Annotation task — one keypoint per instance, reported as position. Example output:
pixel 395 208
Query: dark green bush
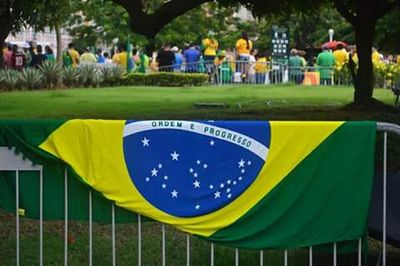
pixel 166 79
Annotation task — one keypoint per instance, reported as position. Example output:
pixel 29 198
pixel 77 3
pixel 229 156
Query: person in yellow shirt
pixel 376 57
pixel 74 55
pixel 243 48
pixel 261 68
pixel 341 57
pixel 210 47
pixel 121 58
pixel 71 56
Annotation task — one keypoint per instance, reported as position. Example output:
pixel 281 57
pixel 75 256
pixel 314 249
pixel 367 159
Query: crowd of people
pixel 242 64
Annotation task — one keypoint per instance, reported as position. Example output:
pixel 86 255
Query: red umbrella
pixel 333 44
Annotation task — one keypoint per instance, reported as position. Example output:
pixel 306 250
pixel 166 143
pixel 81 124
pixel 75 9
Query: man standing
pixel 326 62
pixel 88 57
pixel 192 56
pixel 71 56
pixel 296 67
pixel 165 59
pixel 18 60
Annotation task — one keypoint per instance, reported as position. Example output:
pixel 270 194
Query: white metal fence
pixel 11 162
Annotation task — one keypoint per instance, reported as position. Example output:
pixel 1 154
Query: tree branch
pixel 385 7
pixel 150 24
pixel 344 11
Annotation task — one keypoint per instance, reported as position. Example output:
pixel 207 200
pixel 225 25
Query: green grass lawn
pixel 283 102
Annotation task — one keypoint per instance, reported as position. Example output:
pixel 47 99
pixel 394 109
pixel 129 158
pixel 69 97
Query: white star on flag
pixel 164 186
pixel 198 162
pixel 147 179
pixel 205 166
pixel 166 177
pixel 191 170
pixel 217 194
pixel 212 143
pixel 159 166
pixel 175 156
pixel 154 172
pixel 197 207
pixel 249 163
pixel 243 171
pixel 174 194
pixel 196 184
pixel 241 163
pixel 211 187
pixel 145 142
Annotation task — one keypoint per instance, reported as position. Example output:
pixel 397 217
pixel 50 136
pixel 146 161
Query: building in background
pixel 46 37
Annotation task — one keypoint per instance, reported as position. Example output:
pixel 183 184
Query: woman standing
pixel 243 48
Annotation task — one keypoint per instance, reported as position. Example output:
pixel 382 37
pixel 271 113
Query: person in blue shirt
pixel 100 57
pixel 192 57
pixel 178 59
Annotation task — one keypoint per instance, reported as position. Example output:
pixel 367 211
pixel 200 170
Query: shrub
pixel 167 79
pixel 31 78
pixel 51 72
pixel 70 77
pixel 90 76
pixel 113 76
pixel 10 79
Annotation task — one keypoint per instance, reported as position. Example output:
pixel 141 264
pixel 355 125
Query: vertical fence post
pixel 236 257
pixel 359 252
pixel 212 254
pixel 139 240
pixel 286 258
pixel 163 244
pixel 90 230
pixel 114 261
pixel 334 254
pixel 17 215
pixel 384 198
pixel 41 215
pixel 310 256
pixel 188 250
pixel 261 257
pixel 65 217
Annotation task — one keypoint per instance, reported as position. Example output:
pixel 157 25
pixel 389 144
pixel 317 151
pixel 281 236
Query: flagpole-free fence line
pixel 15 163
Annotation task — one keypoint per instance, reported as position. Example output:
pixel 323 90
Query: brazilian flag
pixel 247 184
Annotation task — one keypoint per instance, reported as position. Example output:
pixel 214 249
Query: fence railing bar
pixel 41 215
pixel 212 255
pixel 384 198
pixel 65 216
pixel 310 256
pixel 90 229
pixel 359 252
pixel 114 261
pixel 139 240
pixel 17 215
pixel 261 257
pixel 286 258
pixel 163 245
pixel 335 254
pixel 188 250
pixel 236 257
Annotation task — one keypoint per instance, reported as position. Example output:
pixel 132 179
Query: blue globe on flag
pixel 189 169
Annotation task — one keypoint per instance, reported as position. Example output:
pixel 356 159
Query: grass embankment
pixel 287 102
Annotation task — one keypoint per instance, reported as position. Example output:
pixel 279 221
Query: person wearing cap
pixel 88 57
pixel 178 59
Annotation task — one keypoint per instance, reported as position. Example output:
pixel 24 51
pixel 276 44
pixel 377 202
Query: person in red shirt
pixel 17 58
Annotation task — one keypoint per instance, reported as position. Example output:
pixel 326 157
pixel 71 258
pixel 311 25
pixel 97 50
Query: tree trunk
pixel 4 31
pixel 59 44
pixel 364 83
